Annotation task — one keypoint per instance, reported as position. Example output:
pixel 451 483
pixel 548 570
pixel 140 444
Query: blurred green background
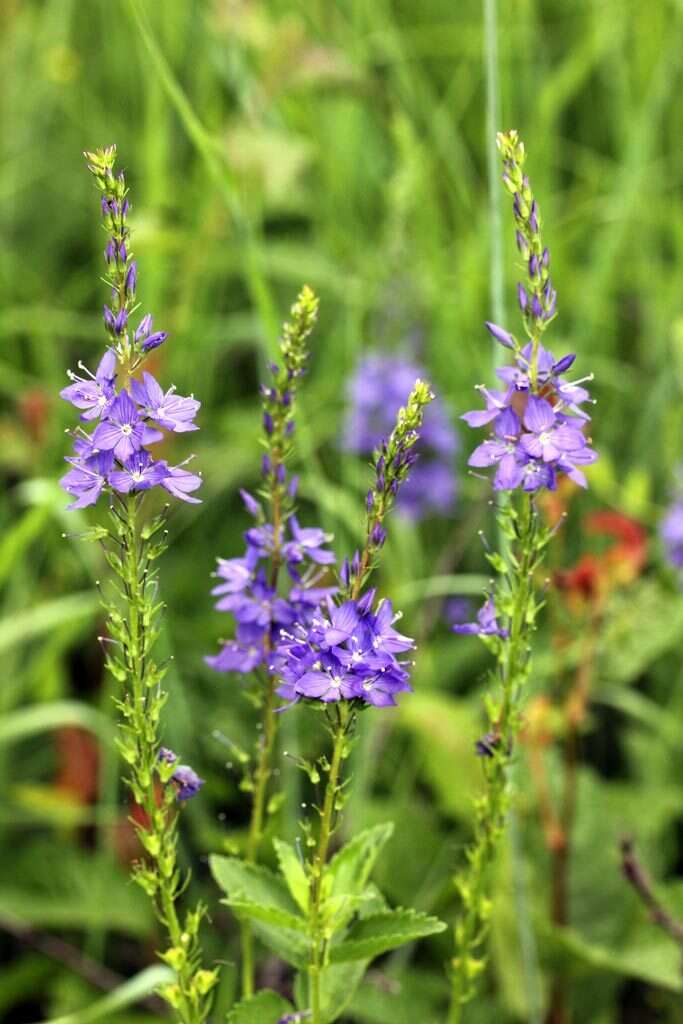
pixel 342 143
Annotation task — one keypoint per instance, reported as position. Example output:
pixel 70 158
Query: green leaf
pixel 257 893
pixel 293 872
pixel 252 884
pixel 374 935
pixel 643 621
pixel 656 961
pixel 24 722
pixel 268 915
pixel 338 985
pixel 143 984
pixel 266 1007
pixel 350 868
pixel 44 618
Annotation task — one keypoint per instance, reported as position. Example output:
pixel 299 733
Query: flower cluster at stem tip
pixel 129 414
pixel 348 650
pixel 376 392
pixel 251 588
pixel 537 418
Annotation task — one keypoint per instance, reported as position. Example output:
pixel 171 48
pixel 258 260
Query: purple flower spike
pixel 344 653
pixel 377 391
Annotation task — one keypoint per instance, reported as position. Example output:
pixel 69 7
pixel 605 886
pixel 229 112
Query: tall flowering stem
pixel 347 659
pixel 537 424
pixel 278 429
pixel 114 461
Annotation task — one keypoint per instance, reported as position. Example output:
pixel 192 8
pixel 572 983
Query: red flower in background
pixel 595 575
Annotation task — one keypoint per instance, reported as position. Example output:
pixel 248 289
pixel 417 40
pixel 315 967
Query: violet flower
pixel 376 392
pixel 486 624
pixel 671 533
pixel 346 652
pixel 114 458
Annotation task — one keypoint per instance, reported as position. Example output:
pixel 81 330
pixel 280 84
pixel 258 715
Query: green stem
pixel 161 827
pixel 261 779
pixel 318 952
pixel 473 882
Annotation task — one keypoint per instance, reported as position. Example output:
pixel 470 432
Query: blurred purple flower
pixel 376 392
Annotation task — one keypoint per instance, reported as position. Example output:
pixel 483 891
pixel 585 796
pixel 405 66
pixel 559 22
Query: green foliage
pixel 357 925
pixel 372 936
pixel 343 145
pixel 264 1008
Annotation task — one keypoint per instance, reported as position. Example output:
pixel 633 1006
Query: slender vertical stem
pixel 261 779
pixel 161 826
pixel 320 857
pixel 471 926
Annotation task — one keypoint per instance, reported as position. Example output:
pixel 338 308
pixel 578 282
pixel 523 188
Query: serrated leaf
pixel 252 883
pixel 268 915
pixel 349 870
pixel 266 1007
pixel 293 872
pixel 257 893
pixel 378 934
pixel 338 985
pixel 291 946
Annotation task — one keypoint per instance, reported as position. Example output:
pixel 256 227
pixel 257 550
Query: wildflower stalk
pixel 114 458
pixel 278 425
pixel 537 432
pixel 392 463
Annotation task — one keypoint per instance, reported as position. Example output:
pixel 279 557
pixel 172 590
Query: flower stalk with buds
pixel 537 423
pixel 114 460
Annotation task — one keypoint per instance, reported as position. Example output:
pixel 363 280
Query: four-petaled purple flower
pixel 486 624
pixel 122 431
pixel 168 409
pixel 93 394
